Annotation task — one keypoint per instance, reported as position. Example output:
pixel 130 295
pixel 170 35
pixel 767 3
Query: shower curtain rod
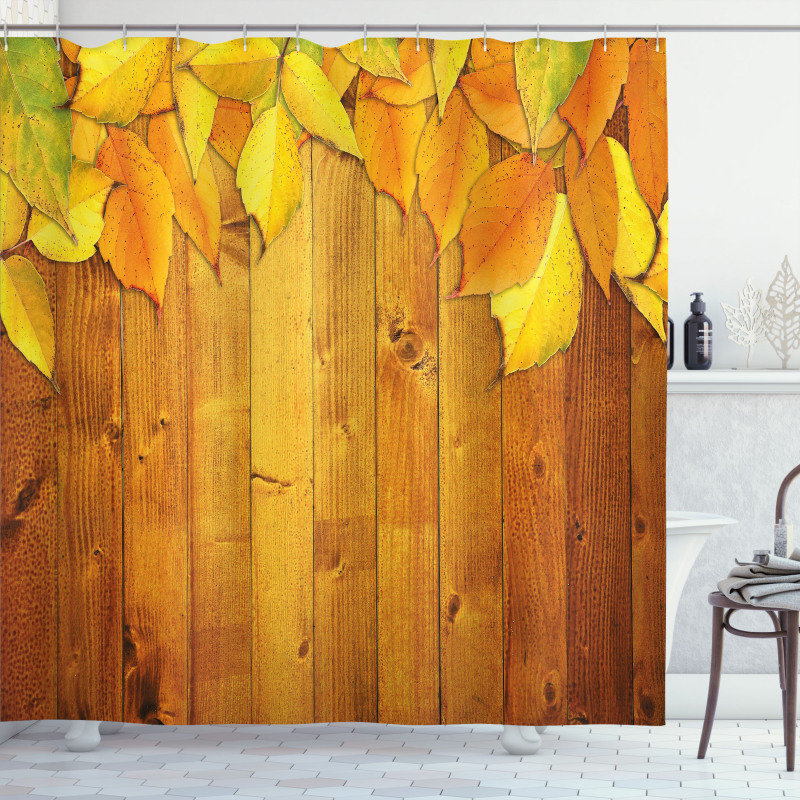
pixel 480 29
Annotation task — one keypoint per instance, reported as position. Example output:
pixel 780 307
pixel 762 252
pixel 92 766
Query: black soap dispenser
pixel 697 336
pixel 670 343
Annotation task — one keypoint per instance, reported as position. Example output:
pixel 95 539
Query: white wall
pixel 734 117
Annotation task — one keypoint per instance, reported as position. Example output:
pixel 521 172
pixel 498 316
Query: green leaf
pixel 545 77
pixel 34 134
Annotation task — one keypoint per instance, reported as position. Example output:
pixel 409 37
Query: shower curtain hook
pixel 177 37
pixel 58 37
pixel 484 37
pixel 537 37
pixel 5 35
pixel 605 33
pixel 244 36
pixel 297 37
pixel 418 37
pixel 657 48
pixel 365 37
pixel 124 36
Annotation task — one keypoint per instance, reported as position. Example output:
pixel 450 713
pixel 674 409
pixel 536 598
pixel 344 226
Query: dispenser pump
pixel 698 306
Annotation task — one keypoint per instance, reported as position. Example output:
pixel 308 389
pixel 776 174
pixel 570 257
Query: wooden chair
pixel 785 624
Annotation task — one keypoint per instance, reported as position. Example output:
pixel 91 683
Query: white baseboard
pixel 740 696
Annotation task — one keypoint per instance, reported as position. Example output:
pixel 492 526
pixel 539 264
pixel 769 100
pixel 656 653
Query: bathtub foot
pixel 82 736
pixel 520 740
pixel 110 727
pixel 541 728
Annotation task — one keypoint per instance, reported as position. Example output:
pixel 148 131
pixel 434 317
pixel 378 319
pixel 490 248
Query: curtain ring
pixel 418 37
pixel 177 37
pixel 365 37
pixel 124 36
pixel 484 37
pixel 657 50
pixel 605 33
pixel 537 37
pixel 58 37
pixel 297 36
pixel 244 36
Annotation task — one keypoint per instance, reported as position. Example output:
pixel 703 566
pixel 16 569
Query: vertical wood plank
pixel 282 497
pixel 534 562
pixel 155 636
pixel 470 501
pixel 218 356
pixel 407 451
pixel 345 663
pixel 648 519
pixel 28 552
pixel 598 549
pixel 88 355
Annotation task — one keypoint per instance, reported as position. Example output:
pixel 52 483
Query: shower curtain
pixel 333 381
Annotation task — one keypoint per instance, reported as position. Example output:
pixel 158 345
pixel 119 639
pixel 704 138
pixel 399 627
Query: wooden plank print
pixel 29 527
pixel 88 355
pixel 282 469
pixel 155 635
pixel 218 347
pixel 345 660
pixel 407 459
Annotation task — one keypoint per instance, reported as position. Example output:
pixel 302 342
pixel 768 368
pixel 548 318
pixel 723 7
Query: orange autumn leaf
pixel 646 98
pixel 232 124
pixel 137 237
pixel 197 203
pixel 505 229
pixel 492 92
pixel 452 155
pixel 161 99
pixel 496 52
pixel 417 68
pixel 592 193
pixel 593 98
pixel 338 69
pixel 388 137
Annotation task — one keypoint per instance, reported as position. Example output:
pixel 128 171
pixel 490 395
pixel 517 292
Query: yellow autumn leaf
pixel 270 175
pixel 161 99
pixel 416 65
pixel 379 58
pixel 137 236
pixel 25 311
pixel 636 235
pixel 14 214
pixel 540 317
pixel 70 50
pixel 87 136
pixel 447 60
pixel 88 191
pixel 339 71
pixel 388 136
pixel 453 153
pixel 231 71
pixel 197 203
pixel 195 104
pixel 649 304
pixel 114 82
pixel 315 103
pixel 656 277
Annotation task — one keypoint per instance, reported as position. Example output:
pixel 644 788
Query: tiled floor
pixel 387 761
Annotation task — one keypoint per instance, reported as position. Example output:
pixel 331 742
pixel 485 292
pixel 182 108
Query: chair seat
pixel 723 601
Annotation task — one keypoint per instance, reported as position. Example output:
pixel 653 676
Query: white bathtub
pixel 687 532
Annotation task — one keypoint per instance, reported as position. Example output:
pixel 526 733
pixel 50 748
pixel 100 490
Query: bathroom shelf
pixel 734 381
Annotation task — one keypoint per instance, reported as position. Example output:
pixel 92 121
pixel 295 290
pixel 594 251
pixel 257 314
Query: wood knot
pixel 112 431
pixel 453 607
pixel 538 467
pixel 647 706
pixel 550 693
pixel 640 526
pixel 28 495
pixel 346 430
pixel 303 649
pixel 409 348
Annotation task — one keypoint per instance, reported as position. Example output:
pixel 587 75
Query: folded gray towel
pixel 775 583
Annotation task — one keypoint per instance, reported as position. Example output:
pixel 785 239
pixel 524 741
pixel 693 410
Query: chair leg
pixel 781 642
pixel 717 632
pixel 790 718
